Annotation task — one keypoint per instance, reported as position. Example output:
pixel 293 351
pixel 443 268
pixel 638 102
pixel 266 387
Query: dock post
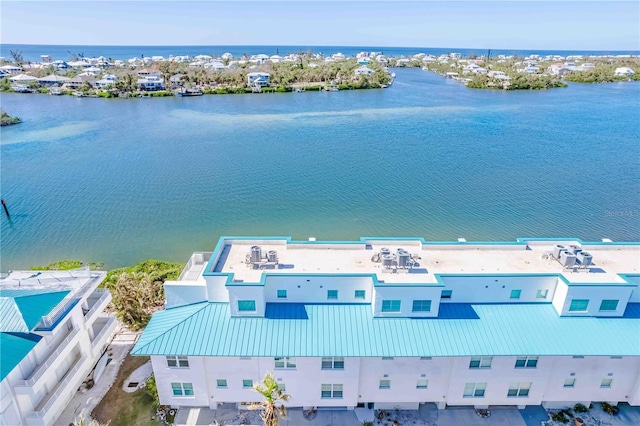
pixel 4 204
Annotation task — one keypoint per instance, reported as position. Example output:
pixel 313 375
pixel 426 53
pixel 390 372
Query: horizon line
pixel 323 45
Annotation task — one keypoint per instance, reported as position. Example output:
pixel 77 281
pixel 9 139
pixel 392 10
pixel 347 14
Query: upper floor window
pixel 609 305
pixel 221 383
pixel 422 384
pixel 515 294
pixel 177 361
pixel 359 294
pixel 182 389
pixel 390 306
pixel 542 294
pixel 480 362
pixel 246 305
pixel 446 294
pixel 421 305
pixel 332 294
pixel 385 384
pixel 282 294
pixel 570 382
pixel 332 363
pixel 247 383
pixel 526 362
pixel 579 305
pixel 285 362
pixel 606 383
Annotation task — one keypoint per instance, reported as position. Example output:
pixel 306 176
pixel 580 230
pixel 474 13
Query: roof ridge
pixel 204 304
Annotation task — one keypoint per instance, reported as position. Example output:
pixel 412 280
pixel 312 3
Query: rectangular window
pixel 247 383
pixel 282 294
pixel 332 294
pixel 515 294
pixel 284 362
pixel 282 387
pixel 360 294
pixel 570 382
pixel 182 389
pixel 446 294
pixel 385 384
pixel 421 305
pixel 331 391
pixel 579 305
pixel 387 358
pixel 332 363
pixel 542 294
pixel 526 362
pixel 246 305
pixel 606 383
pixel 608 305
pixel 480 362
pixel 177 361
pixel 422 384
pixel 222 383
pixel 425 358
pixel 519 389
pixel 474 390
pixel 390 306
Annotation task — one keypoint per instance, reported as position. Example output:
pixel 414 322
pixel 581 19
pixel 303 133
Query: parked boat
pixel 21 88
pixel 191 92
pixel 55 91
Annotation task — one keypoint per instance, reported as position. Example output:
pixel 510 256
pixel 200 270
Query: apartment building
pixel 393 323
pixel 52 333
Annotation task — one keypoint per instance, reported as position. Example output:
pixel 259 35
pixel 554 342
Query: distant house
pixel 624 72
pixel 175 81
pixel 10 69
pixel 260 79
pixel 107 81
pixel 147 72
pixel 215 66
pixel 78 81
pixel 53 79
pixel 558 69
pixel 152 83
pixel 363 71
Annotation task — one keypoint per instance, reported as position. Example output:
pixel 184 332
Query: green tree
pixel 272 394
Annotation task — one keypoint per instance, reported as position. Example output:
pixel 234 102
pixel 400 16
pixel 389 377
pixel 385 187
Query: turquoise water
pixel 119 181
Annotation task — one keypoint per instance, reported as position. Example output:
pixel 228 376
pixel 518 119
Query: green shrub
pixel 580 408
pixel 559 417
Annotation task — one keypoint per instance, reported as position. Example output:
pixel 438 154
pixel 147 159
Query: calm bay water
pixel 32 52
pixel 119 181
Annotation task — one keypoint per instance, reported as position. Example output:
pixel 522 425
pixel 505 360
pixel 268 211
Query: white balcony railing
pixel 60 389
pixel 108 328
pixel 96 305
pixel 50 360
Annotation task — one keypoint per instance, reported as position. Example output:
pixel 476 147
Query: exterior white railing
pixel 104 294
pixel 53 357
pixel 105 329
pixel 61 388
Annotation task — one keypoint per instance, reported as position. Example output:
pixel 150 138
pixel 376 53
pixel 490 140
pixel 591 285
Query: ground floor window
pixel 519 389
pixel 331 391
pixel 474 390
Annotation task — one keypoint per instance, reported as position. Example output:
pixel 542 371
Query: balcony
pixel 97 301
pixel 50 362
pixel 103 327
pixel 52 404
pixel 196 264
pixel 49 322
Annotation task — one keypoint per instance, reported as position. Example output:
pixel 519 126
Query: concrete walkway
pixel 83 402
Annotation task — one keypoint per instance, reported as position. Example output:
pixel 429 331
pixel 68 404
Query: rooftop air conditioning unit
pixel 256 254
pixel 567 259
pixel 584 258
pixel 557 249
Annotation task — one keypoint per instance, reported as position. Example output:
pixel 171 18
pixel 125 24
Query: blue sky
pixel 580 25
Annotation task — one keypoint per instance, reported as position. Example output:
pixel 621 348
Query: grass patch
pixel 65 265
pixel 119 408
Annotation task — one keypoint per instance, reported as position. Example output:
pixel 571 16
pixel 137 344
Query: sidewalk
pixel 84 401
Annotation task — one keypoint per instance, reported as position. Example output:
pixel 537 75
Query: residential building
pixel 151 83
pixel 52 333
pixel 624 71
pixel 363 71
pixel 396 322
pixel 260 79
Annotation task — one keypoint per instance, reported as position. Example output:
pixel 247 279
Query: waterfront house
pixel 175 81
pixel 78 81
pixel 23 78
pixel 52 335
pixel 148 72
pixel 152 83
pixel 363 71
pixel 106 81
pixel 558 69
pixel 393 323
pixel 53 79
pixel 623 72
pixel 259 79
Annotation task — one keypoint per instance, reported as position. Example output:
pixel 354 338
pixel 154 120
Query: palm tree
pixel 272 393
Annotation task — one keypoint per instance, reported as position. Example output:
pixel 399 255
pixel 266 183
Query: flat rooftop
pixel 431 259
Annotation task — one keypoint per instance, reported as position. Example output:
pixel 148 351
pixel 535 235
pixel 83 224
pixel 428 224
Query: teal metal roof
pixel 350 330
pixel 22 310
pixel 14 347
